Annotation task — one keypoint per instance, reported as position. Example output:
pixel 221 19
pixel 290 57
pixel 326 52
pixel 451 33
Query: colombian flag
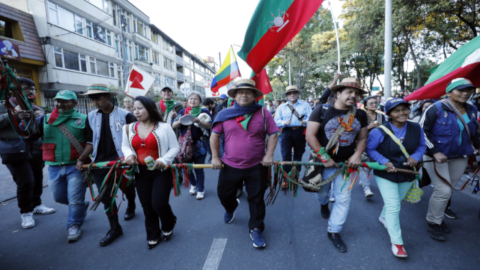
pixel 227 72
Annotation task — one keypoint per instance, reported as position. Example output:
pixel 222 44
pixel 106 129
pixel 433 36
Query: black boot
pixel 337 242
pixel 435 231
pixel 130 213
pixel 130 194
pixel 324 211
pixel 444 227
pixel 114 232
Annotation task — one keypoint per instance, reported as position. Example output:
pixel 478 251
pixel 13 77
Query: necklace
pixel 149 129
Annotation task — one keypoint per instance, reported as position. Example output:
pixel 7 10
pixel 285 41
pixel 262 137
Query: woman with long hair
pixel 200 129
pixel 422 107
pixel 394 144
pixel 145 140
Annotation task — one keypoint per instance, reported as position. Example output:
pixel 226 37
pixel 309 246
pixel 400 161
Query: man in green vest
pixel 64 137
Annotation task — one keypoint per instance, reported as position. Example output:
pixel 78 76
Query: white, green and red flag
pixel 273 25
pixel 262 83
pixel 464 63
pixel 227 72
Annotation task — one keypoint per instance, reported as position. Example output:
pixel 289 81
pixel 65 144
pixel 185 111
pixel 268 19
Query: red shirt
pixel 145 148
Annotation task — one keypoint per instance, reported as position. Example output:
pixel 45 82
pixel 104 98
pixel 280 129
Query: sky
pixel 207 27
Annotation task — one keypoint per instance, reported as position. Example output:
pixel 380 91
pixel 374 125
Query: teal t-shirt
pixel 460 124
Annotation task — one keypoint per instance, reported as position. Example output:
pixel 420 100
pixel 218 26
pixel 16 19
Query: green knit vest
pixel 57 149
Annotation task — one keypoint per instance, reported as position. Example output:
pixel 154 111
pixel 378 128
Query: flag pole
pixel 336 32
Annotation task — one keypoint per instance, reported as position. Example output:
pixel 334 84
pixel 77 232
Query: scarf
pixel 58 118
pixel 241 114
pixel 166 106
pixel 193 111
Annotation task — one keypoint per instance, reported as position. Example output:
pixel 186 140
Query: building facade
pixel 82 44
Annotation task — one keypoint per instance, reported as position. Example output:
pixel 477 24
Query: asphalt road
pixel 296 237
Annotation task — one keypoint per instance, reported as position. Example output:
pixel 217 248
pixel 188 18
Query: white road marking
pixel 215 254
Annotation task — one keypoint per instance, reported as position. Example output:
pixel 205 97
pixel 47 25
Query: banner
pixel 139 82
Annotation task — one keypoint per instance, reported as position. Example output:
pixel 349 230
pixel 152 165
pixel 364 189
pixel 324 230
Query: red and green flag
pixel 227 72
pixel 273 25
pixel 464 63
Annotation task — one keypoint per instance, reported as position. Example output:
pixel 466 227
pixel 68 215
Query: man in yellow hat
pixel 292 117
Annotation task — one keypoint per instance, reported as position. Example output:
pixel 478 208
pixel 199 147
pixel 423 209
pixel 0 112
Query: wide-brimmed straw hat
pixel 244 84
pixel 292 88
pixel 98 88
pixel 350 83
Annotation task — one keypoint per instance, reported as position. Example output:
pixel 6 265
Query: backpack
pixel 185 142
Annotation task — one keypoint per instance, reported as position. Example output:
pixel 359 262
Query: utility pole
pixel 219 60
pixel 388 49
pixel 123 22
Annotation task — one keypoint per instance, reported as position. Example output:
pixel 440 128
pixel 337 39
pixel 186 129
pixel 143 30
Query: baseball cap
pixel 223 96
pixel 394 102
pixel 459 84
pixel 166 88
pixel 66 95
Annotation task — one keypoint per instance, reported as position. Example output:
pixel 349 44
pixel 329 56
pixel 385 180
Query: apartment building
pixel 82 44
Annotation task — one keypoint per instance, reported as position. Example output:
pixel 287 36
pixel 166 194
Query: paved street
pixel 295 232
pixel 8 189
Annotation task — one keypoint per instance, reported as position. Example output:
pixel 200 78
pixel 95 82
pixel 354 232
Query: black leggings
pixel 153 188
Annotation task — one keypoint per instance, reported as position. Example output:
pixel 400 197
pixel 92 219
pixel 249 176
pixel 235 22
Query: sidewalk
pixel 8 188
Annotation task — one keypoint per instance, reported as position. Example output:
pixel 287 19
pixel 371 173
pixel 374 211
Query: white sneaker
pixel 200 195
pixel 382 220
pixel 43 210
pixel 368 192
pixel 332 199
pixel 74 233
pixel 193 190
pixel 27 220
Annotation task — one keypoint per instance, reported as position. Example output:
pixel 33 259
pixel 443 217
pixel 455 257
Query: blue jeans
pixel 365 176
pixel 198 179
pixel 67 186
pixel 341 206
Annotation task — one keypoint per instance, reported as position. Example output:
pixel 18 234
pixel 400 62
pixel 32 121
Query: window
pixel 127 20
pixel 141 53
pixel 99 33
pixel 93 66
pixel 188 73
pixel 52 12
pixel 186 59
pixel 118 44
pixel 199 78
pixel 89 29
pixel 71 60
pixel 170 82
pixel 102 68
pixel 109 38
pixel 114 15
pixel 168 64
pixel 66 19
pixel 58 56
pixel 156 57
pixel 154 38
pixel 167 46
pixel 83 63
pixel 79 24
pixel 112 70
pixel 101 4
pixel 158 79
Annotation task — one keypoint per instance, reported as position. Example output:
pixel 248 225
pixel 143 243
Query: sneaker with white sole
pixel 399 251
pixel 74 233
pixel 200 195
pixel 193 190
pixel 368 192
pixel 382 220
pixel 43 210
pixel 27 220
pixel 257 237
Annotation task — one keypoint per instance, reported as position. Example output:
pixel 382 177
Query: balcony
pixel 179 60
pixel 180 76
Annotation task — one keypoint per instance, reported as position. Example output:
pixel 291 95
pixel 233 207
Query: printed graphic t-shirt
pixel 329 124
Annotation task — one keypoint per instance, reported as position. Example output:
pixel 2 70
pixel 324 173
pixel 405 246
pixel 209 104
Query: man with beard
pixel 336 135
pixel 24 160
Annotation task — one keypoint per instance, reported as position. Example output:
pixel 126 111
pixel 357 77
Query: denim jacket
pixel 117 121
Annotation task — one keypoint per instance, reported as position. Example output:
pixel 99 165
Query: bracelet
pixel 322 155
